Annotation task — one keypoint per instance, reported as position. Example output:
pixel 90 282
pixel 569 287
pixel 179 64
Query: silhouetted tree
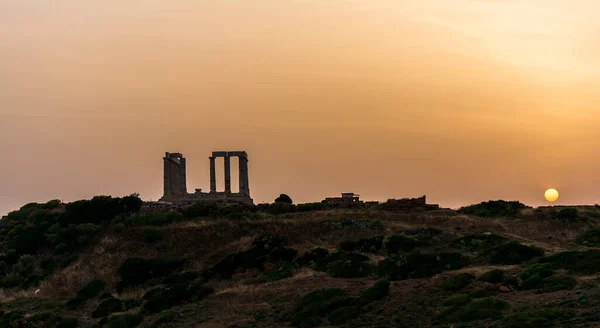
pixel 283 198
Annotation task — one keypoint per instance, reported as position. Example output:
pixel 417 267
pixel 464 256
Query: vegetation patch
pixel 568 214
pixel 346 265
pixel 458 281
pixel 89 291
pixel 537 318
pixel 479 243
pixel 376 292
pixel 264 249
pixel 487 308
pixel 585 263
pixel 413 266
pixel 315 305
pixel 364 245
pixel 398 243
pixel 589 238
pixel 512 252
pixel 284 271
pixel 160 299
pixel 494 208
pixel 125 321
pixel 152 235
pixel 137 271
pixel 110 305
pixel 313 256
pixel 493 276
pixel 458 300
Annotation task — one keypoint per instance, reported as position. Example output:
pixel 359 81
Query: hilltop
pixel 116 262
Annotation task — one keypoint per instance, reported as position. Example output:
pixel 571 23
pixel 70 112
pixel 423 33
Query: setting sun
pixel 551 195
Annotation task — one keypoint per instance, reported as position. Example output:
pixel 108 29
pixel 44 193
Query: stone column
pixel 227 175
pixel 166 176
pixel 182 176
pixel 213 175
pixel 244 176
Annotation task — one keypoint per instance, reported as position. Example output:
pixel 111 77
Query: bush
pixel 568 214
pixel 556 283
pixel 457 300
pixel 376 292
pixel 108 307
pixel 398 243
pixel 495 208
pixel 317 304
pixel 152 235
pixel 458 281
pixel 136 271
pixel 512 252
pixel 493 276
pixel 313 256
pixel 479 242
pixel 67 323
pixel 537 318
pixel 344 314
pixel 283 198
pixel 487 308
pixel 286 270
pixel 89 291
pixel 125 321
pixel 587 262
pixel 482 293
pixel 589 238
pixel 413 266
pixel 345 265
pixel 161 299
pixel 372 245
pixel 265 248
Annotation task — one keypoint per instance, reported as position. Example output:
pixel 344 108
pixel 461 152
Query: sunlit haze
pixel 461 100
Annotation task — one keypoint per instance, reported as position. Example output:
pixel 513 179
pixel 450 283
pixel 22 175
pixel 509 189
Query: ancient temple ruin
pixel 175 185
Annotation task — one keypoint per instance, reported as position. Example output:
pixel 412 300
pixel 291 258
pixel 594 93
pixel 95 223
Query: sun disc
pixel 551 195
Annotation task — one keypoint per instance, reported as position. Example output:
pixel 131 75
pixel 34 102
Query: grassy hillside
pixel 110 262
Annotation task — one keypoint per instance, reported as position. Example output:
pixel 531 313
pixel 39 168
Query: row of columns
pixel 243 171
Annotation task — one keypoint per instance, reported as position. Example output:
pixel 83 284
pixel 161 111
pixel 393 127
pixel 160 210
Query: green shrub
pixel 67 323
pixel 181 277
pixel 345 265
pixel 568 214
pixel 89 291
pixel 161 299
pixel 537 318
pixel 413 266
pixel 317 304
pixel 492 276
pixel 108 307
pixel 125 321
pixel 482 293
pixel 479 242
pixel 458 300
pixel 458 281
pixel 344 314
pixel 152 235
pixel 311 207
pixel 589 238
pixel 265 248
pixel 556 283
pixel 119 227
pixel 376 292
pixel 512 252
pixel 283 198
pixel 152 219
pixel 398 243
pixel 136 271
pixel 372 245
pixel 12 280
pixel 495 208
pixel 533 274
pixel 286 270
pixel 487 308
pixel 313 256
pixel 587 262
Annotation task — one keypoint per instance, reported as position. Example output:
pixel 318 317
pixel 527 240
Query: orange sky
pixel 462 100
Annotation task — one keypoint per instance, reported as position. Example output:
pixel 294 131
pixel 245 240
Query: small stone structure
pixel 175 185
pixel 347 198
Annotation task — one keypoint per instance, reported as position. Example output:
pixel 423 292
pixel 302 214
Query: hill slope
pixel 112 262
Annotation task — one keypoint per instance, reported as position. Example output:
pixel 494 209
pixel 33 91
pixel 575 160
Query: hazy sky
pixel 462 100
